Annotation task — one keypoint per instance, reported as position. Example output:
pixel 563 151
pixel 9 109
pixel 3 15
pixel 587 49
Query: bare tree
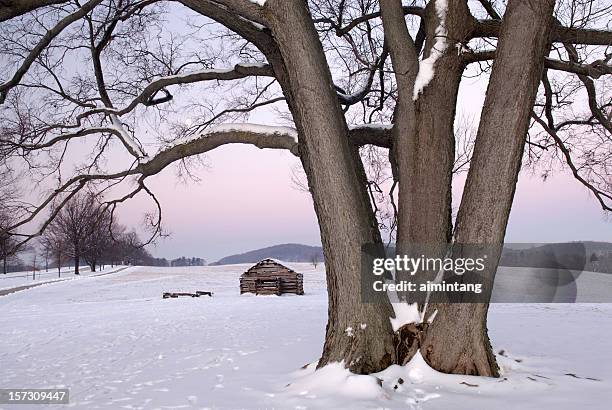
pixel 99 244
pixel 314 259
pixel 78 226
pixel 53 249
pixel 8 244
pixel 345 74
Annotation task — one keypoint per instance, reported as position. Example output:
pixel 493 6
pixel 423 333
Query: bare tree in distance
pixel 347 74
pixel 78 227
pixel 100 243
pixel 9 215
pixel 8 244
pixel 53 248
pixel 314 259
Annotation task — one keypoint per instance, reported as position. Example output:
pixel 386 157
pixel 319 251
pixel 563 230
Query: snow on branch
pixel 261 136
pixel 128 141
pixel 427 65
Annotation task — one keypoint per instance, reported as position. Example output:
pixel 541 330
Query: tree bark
pixel 335 180
pixel 424 141
pixel 457 340
pixel 426 171
pixel 14 8
pixel 76 264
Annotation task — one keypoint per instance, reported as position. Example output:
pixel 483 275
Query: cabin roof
pixel 266 264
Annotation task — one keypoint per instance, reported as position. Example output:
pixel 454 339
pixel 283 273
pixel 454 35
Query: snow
pixel 334 380
pixel 127 138
pixel 461 48
pixel 209 71
pixel 115 343
pixel 258 2
pixel 373 126
pixel 255 128
pixel 26 278
pixel 240 127
pixel 427 66
pixel 405 313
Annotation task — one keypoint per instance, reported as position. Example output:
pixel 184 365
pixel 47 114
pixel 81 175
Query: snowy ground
pixel 26 278
pixel 116 344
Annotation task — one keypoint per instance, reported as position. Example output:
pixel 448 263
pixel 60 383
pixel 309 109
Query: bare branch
pixel 560 34
pixel 341 31
pixel 42 44
pixel 372 134
pixel 594 69
pixel 238 72
pixel 601 196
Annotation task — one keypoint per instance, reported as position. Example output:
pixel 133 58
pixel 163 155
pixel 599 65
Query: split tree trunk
pixel 424 141
pixel 457 340
pixel 336 182
pixel 426 172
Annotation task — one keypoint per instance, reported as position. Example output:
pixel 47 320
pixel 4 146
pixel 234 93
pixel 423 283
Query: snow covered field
pixel 26 278
pixel 116 344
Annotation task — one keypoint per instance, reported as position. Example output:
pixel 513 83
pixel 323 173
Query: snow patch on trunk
pixel 427 66
pixel 405 313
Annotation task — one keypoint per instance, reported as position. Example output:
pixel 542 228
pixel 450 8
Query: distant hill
pixel 288 252
pixel 587 255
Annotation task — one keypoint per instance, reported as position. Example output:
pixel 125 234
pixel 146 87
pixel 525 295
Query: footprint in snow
pixel 419 396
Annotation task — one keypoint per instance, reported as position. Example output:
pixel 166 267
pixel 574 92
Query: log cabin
pixel 270 277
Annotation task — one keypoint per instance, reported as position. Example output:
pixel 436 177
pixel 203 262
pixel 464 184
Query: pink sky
pixel 246 200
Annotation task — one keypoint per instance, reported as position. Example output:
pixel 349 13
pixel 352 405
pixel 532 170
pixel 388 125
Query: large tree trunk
pixel 457 340
pixel 424 142
pixel 428 154
pixel 335 179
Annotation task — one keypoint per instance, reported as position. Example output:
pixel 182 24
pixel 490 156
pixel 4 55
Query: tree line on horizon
pixel 83 231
